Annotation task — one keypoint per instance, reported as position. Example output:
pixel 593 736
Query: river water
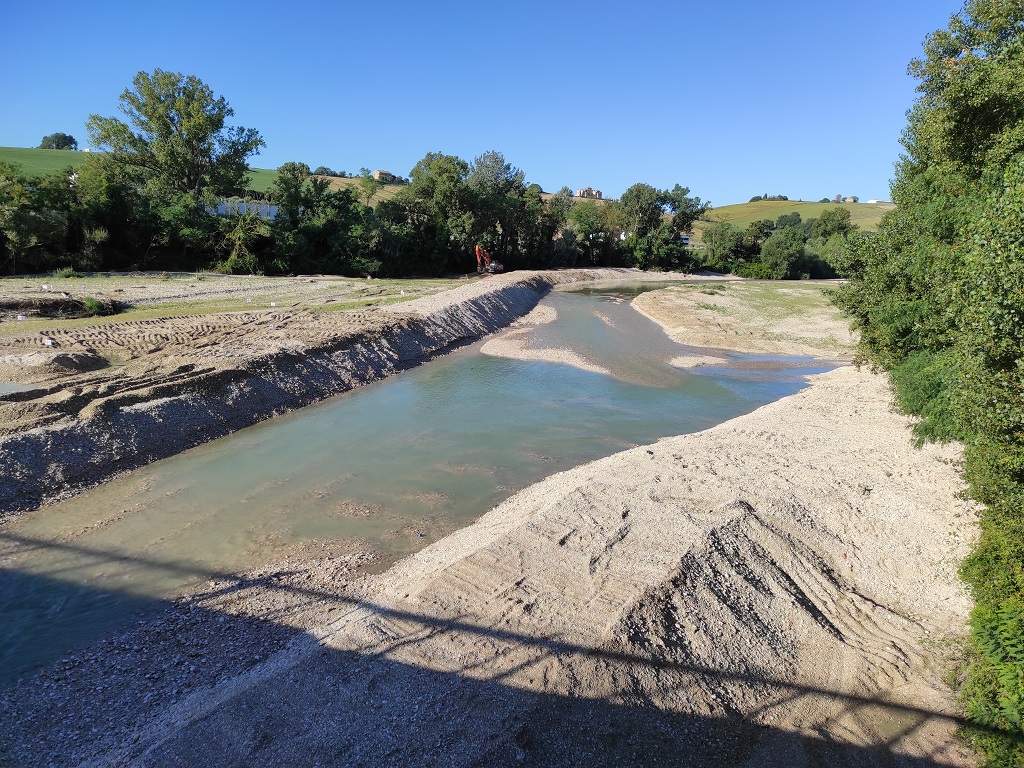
pixel 391 466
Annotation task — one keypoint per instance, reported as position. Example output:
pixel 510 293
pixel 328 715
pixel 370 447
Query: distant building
pixel 879 202
pixel 589 193
pixel 385 176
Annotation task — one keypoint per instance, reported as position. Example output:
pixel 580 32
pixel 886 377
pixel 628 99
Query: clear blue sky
pixel 732 98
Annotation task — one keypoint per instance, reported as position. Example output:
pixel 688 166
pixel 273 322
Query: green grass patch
pixel 710 307
pixel 712 290
pixel 39 162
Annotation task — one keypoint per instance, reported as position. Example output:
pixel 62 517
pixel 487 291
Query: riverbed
pixel 387 468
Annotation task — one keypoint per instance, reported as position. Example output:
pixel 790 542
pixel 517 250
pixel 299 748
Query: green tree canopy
pixel 832 221
pixel 176 141
pixel 783 253
pixel 59 141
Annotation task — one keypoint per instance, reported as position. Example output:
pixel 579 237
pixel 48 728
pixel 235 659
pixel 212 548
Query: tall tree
pixel 437 203
pixel 176 142
pixel 498 189
pixel 684 209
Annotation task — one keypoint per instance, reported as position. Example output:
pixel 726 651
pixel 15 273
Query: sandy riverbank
pixel 778 590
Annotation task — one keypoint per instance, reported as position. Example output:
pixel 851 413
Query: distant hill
pixel 866 215
pixel 38 162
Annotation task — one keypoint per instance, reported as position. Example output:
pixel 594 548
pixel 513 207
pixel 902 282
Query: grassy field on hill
pixel 37 162
pixel 740 216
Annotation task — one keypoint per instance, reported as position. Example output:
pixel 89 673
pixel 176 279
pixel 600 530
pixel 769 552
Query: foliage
pixel 26 228
pixel 59 141
pixel 832 221
pixel 938 297
pixel 783 254
pixel 177 149
pixel 653 221
pixel 169 193
pixel 92 306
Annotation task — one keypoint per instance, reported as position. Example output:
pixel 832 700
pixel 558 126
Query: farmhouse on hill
pixel 589 193
pixel 385 176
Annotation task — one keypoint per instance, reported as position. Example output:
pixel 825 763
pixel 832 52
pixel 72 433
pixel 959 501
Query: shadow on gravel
pixel 237 704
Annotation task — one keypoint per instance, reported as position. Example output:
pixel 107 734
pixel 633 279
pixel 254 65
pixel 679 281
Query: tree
pixel 641 210
pixel 368 185
pixel 783 253
pixel 718 238
pixel 498 191
pixel 24 223
pixel 788 220
pixel 832 221
pixel 59 141
pixel 684 209
pixel 587 223
pixel 176 144
pixel 438 203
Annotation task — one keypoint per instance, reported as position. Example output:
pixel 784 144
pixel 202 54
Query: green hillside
pixel 740 216
pixel 38 162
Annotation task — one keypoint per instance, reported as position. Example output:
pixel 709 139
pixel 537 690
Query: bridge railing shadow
pixel 634 733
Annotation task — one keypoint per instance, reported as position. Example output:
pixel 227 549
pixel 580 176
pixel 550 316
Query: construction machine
pixel 484 262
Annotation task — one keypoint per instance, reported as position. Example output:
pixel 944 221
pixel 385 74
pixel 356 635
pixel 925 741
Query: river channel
pixel 390 467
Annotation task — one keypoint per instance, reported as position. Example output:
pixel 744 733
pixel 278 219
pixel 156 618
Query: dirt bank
pixel 117 394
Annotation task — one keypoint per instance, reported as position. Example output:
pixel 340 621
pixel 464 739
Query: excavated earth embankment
pixel 183 381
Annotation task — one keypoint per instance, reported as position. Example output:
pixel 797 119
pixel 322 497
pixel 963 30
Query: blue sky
pixel 731 98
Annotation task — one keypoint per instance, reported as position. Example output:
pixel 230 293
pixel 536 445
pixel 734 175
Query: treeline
pixel 168 193
pixel 788 248
pixel 938 296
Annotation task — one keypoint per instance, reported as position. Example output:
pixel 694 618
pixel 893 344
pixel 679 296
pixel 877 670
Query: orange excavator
pixel 484 262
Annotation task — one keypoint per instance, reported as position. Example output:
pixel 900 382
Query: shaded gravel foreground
pixel 778 590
